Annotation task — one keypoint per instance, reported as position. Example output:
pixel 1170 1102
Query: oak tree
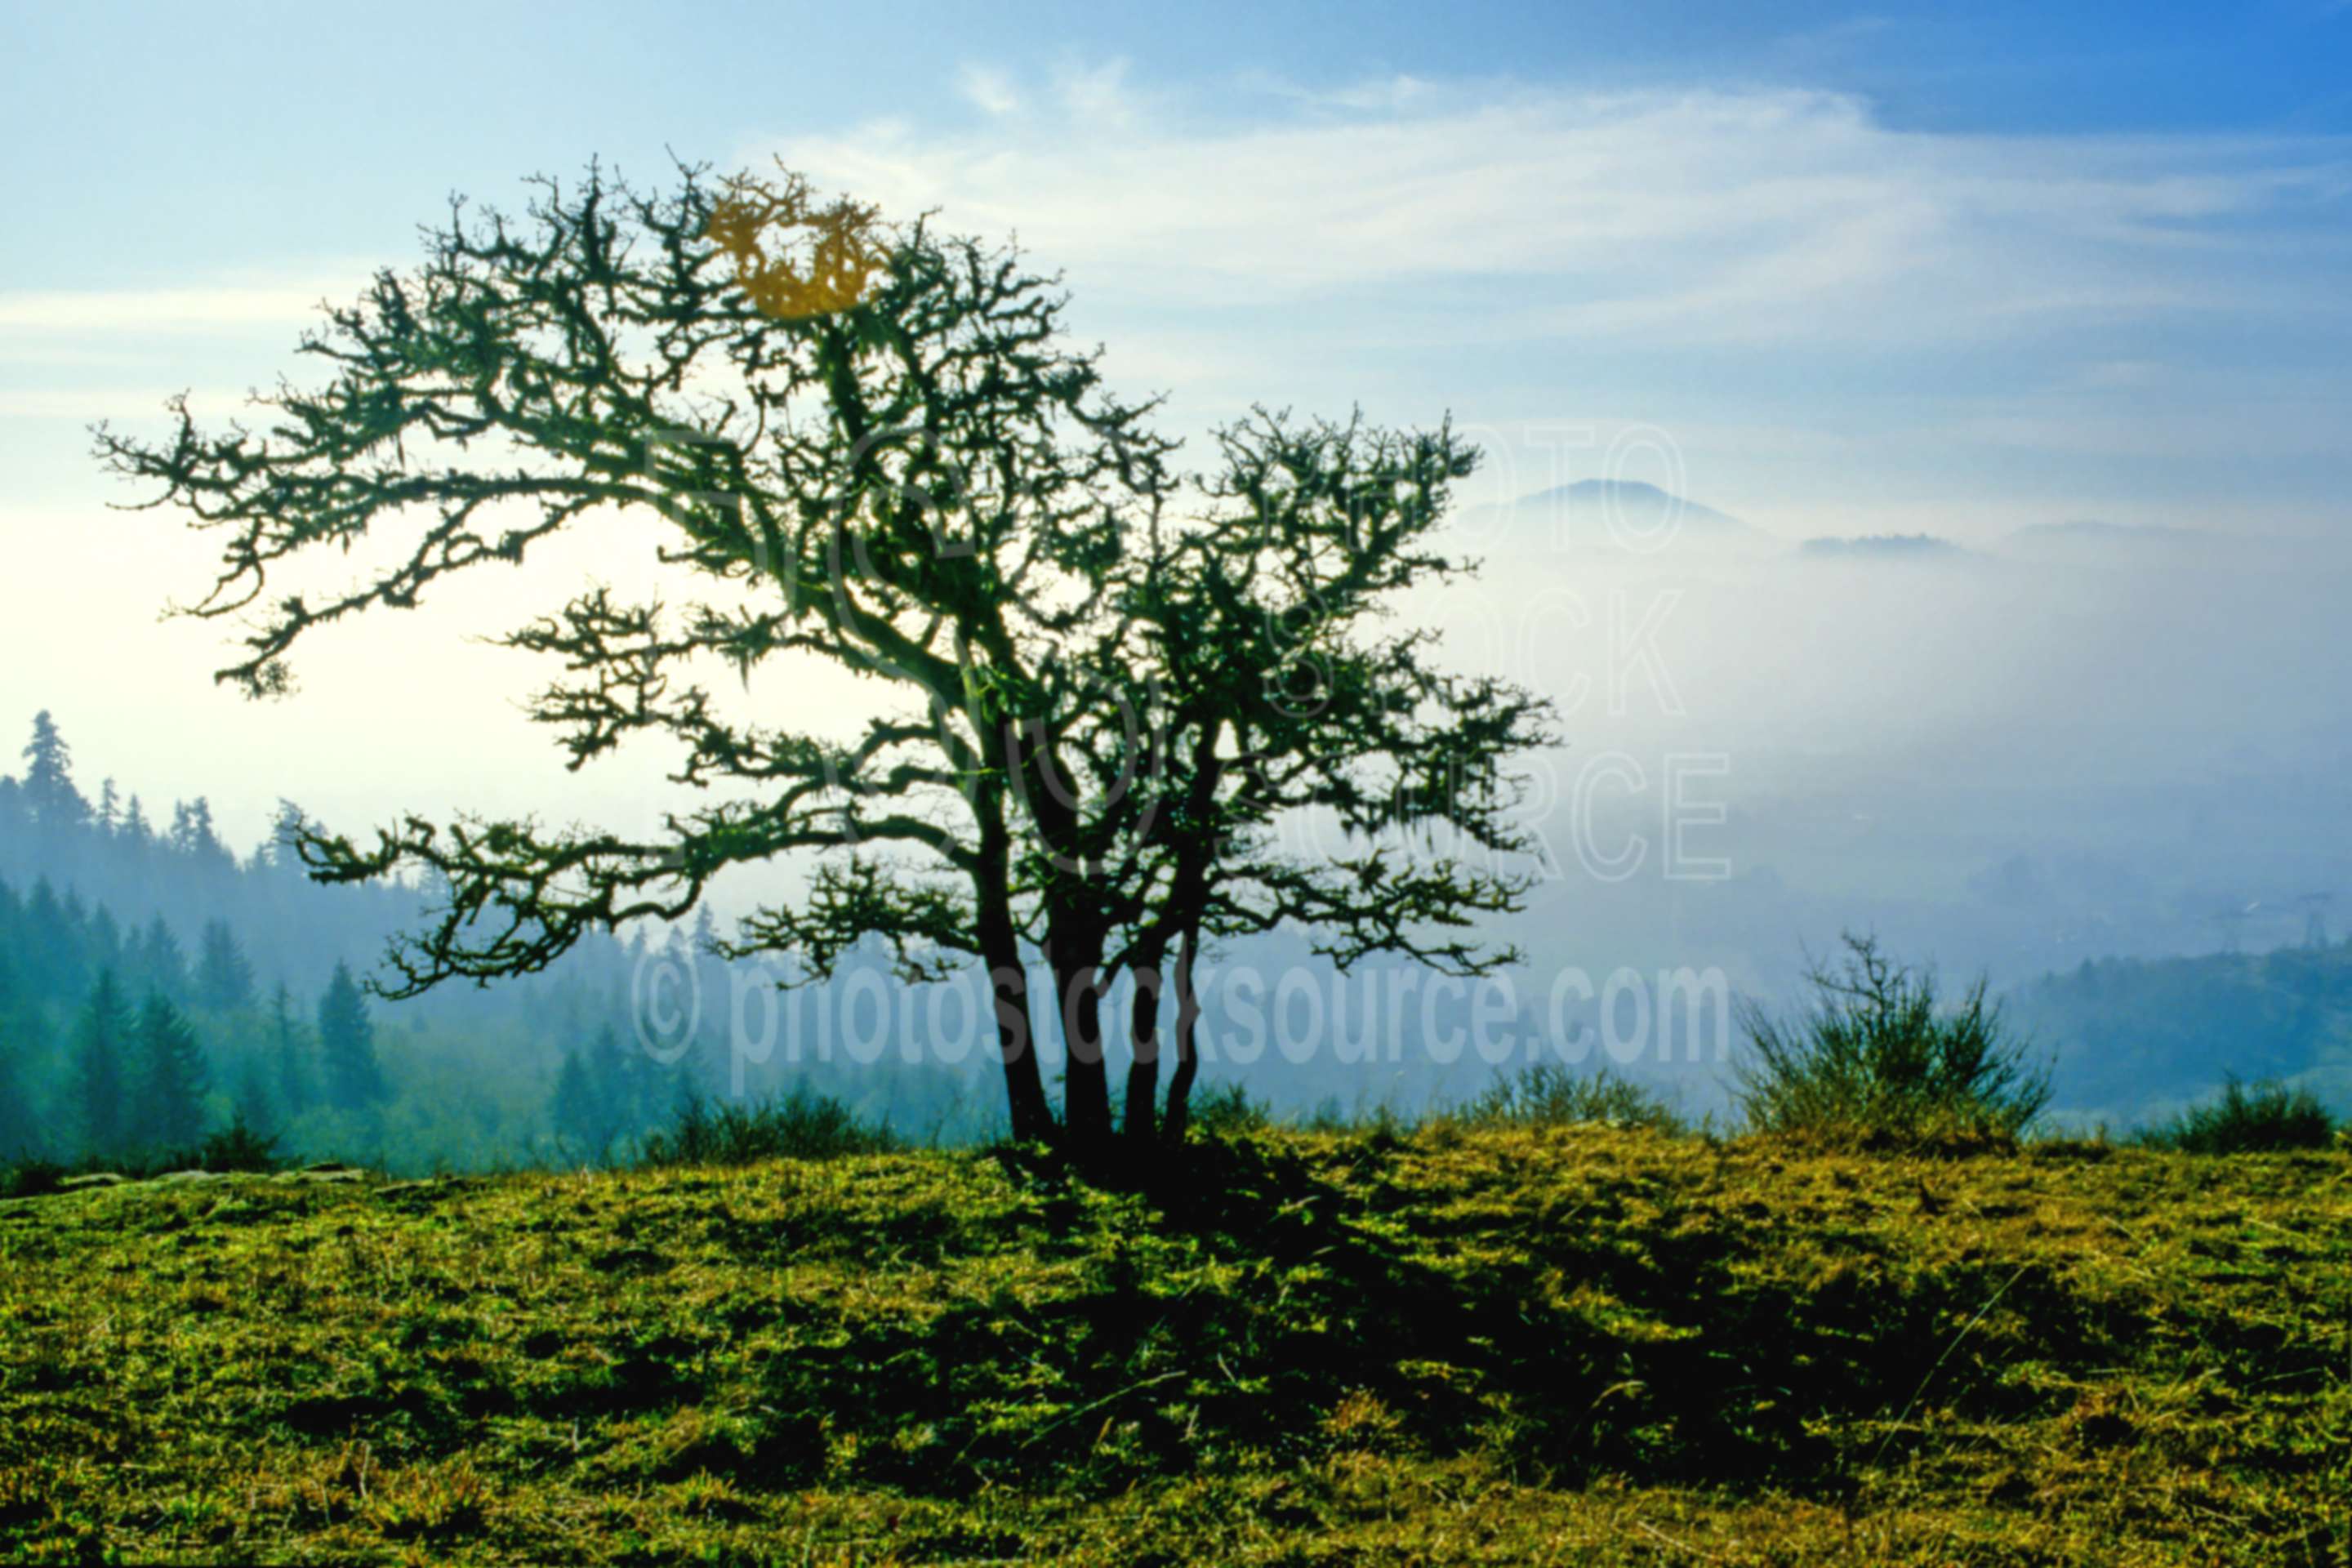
pixel 1105 698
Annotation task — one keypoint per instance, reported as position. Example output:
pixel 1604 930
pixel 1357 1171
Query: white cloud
pixel 1698 218
pixel 1389 93
pixel 199 307
pixel 1097 95
pixel 988 89
pixel 1921 313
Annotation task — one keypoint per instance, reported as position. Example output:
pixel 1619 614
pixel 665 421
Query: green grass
pixel 1535 1343
pixel 801 1126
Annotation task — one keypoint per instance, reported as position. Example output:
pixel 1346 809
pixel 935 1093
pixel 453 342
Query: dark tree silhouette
pixel 1278 703
pixel 872 446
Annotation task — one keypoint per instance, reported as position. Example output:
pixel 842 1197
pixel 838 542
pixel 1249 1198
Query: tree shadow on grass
pixel 1251 1308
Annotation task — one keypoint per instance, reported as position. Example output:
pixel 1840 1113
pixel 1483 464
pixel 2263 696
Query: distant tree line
pixel 155 988
pixel 109 1041
pixel 2137 1031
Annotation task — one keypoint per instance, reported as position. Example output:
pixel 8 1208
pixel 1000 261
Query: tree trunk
pixel 1086 1087
pixel 1142 1121
pixel 1188 1059
pixel 1025 1086
pixel 1008 985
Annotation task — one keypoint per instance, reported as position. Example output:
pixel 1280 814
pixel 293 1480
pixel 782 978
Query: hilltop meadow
pixel 1457 1343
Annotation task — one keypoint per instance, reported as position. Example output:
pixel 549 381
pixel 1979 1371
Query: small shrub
pixel 238 1147
pixel 1547 1094
pixel 1875 1062
pixel 2248 1121
pixel 805 1125
pixel 32 1179
pixel 235 1147
pixel 1228 1107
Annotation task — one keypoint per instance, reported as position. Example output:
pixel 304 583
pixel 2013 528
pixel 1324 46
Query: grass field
pixel 1553 1344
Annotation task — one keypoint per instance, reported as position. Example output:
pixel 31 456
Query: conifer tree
pixel 282 853
pixel 254 1111
pixel 56 946
pixel 50 797
pixel 102 1040
pixel 286 1039
pixel 619 1077
pixel 136 835
pixel 576 1109
pixel 352 1079
pixel 20 1122
pixel 224 977
pixel 105 944
pixel 19 1119
pixel 193 835
pixel 167 1090
pixel 158 964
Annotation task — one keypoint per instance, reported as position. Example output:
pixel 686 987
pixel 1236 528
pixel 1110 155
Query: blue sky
pixel 276 129
pixel 1958 269
pixel 1899 336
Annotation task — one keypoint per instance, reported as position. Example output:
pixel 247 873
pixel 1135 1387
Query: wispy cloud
pixel 100 312
pixel 989 90
pixel 1389 93
pixel 1703 217
pixel 1707 260
pixel 1924 304
pixel 1097 95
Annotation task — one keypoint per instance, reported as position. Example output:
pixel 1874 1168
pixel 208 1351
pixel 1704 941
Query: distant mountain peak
pixel 1631 514
pixel 1612 487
